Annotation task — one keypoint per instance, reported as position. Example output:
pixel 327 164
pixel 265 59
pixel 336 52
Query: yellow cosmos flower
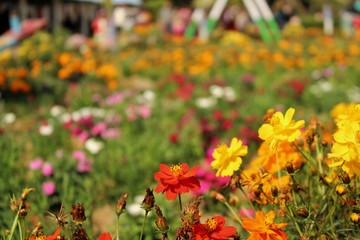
pixel 346 149
pixel 280 128
pixel 227 160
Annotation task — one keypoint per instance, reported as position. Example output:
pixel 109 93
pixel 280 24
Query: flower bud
pixel 23 212
pixel 289 168
pixel 26 192
pixel 161 221
pixel 149 200
pixel 274 191
pixel 355 218
pixel 340 189
pixel 217 196
pixel 302 212
pixel 121 204
pixel 78 213
pixel 344 177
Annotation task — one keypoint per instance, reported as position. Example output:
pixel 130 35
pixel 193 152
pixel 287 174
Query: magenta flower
pixel 48 188
pixel 36 164
pixel 83 136
pixel 98 128
pixel 47 169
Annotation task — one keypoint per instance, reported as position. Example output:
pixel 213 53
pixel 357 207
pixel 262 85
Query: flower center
pixel 222 149
pixel 211 224
pixel 275 120
pixel 176 170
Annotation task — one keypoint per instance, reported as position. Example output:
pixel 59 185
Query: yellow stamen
pixel 211 224
pixel 275 120
pixel 176 170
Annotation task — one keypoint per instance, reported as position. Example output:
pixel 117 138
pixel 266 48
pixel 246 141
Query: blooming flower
pixel 105 236
pixel 263 227
pixel 228 159
pixel 280 128
pixel 346 149
pixel 176 179
pixel 36 164
pixel 50 237
pixel 94 146
pixel 46 129
pixel 47 169
pixel 213 228
pixel 48 188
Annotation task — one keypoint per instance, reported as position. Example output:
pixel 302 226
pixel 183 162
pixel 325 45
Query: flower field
pixel 180 139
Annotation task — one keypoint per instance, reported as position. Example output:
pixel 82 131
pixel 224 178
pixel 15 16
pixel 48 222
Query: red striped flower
pixel 176 179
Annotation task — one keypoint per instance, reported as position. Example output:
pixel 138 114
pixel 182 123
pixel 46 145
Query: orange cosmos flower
pixel 263 227
pixel 214 228
pixel 176 179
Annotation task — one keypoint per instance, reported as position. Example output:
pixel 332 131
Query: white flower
pixel 205 102
pixel 9 118
pixel 76 116
pixel 94 146
pixel 149 96
pixel 98 112
pixel 85 111
pixel 216 91
pixel 353 94
pixel 65 118
pixel 56 110
pixel 229 94
pixel 134 208
pixel 46 129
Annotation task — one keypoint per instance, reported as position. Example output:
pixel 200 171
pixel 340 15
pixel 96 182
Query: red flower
pixel 176 179
pixel 214 228
pixel 105 236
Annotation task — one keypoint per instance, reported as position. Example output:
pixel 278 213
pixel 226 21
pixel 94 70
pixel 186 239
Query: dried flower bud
pixel 23 212
pixel 26 192
pixel 217 196
pixel 344 177
pixel 274 191
pixel 149 200
pixel 355 218
pixel 289 167
pixel 340 189
pixel 15 204
pixel 268 115
pixel 78 213
pixel 235 182
pixel 302 212
pixel 121 204
pixel 161 221
pixel 79 233
pixel 234 200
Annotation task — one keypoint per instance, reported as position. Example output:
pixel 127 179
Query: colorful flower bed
pixel 232 139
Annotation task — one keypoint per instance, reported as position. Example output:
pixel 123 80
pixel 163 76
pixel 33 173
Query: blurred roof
pixel 114 2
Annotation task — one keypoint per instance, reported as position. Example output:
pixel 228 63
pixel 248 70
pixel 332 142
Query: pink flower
pixel 84 166
pixel 110 133
pixel 83 136
pixel 36 164
pixel 47 169
pixel 48 188
pixel 247 212
pixel 145 111
pixel 79 155
pixel 98 129
pixel 114 99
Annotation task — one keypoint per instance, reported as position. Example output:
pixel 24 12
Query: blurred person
pixel 100 26
pixel 165 17
pixel 15 24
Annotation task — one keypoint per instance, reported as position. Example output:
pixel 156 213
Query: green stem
pixel 15 223
pixel 143 226
pixel 251 203
pixel 233 212
pixel 294 220
pixel 20 231
pixel 117 227
pixel 180 204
